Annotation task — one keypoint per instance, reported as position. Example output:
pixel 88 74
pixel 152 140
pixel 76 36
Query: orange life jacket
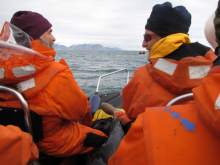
pixel 181 134
pixel 163 79
pixel 54 94
pixel 17 147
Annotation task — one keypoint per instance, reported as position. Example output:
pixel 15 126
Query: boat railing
pixel 108 74
pixel 24 104
pixel 180 99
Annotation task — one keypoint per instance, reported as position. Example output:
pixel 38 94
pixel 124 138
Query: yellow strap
pixel 100 114
pixel 168 44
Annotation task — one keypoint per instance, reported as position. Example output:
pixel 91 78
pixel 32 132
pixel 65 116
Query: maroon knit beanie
pixel 32 23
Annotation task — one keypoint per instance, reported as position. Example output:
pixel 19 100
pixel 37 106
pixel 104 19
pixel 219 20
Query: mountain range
pixel 84 47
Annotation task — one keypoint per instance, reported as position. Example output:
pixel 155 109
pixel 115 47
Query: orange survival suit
pixel 51 91
pixel 156 83
pixel 17 147
pixel 180 134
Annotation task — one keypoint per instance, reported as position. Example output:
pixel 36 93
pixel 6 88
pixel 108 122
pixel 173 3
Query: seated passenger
pixel 17 147
pixel 50 90
pixel 175 64
pixel 181 134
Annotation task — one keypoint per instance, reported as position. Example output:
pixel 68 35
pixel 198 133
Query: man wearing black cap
pixel 51 91
pixel 175 64
pixel 179 134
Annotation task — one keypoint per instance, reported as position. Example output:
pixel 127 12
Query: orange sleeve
pixel 16 147
pixel 65 98
pixel 73 139
pixel 135 93
pixel 91 138
pixel 128 93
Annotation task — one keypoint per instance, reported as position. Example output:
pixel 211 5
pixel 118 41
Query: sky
pixel 111 23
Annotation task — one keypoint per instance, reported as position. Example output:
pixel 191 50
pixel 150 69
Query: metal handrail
pixel 24 105
pixel 96 92
pixel 180 99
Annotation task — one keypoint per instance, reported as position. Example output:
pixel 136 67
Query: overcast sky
pixel 111 23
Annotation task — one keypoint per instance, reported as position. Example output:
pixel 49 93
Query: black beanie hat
pixel 166 20
pixel 32 23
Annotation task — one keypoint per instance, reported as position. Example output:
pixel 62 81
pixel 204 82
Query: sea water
pixel 87 66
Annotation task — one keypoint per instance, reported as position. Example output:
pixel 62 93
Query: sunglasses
pixel 148 37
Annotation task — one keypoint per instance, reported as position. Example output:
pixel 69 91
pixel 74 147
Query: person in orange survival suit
pixel 175 64
pixel 52 92
pixel 17 147
pixel 179 134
